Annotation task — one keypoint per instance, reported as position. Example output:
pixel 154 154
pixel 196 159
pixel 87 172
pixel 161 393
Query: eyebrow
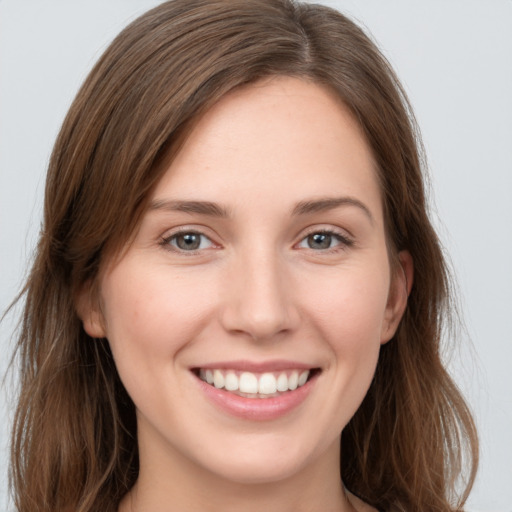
pixel 199 207
pixel 329 203
pixel 302 208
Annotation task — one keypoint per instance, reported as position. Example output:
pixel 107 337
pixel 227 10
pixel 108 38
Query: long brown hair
pixel 74 438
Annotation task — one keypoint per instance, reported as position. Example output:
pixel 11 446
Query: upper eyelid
pixel 326 228
pixel 166 238
pixel 193 228
pixel 174 234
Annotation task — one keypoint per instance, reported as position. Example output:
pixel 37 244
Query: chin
pixel 261 462
pixel 255 472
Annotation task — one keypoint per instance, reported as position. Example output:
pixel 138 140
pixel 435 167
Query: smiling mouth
pixel 255 385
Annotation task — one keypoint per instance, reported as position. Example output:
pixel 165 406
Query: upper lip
pixel 256 366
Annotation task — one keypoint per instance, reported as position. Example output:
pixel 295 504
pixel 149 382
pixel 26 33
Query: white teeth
pixel 231 382
pixel 303 377
pixel 218 379
pixel 265 384
pixel 293 380
pixel 248 383
pixel 282 382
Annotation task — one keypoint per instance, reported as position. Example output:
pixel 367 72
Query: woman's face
pixel 260 263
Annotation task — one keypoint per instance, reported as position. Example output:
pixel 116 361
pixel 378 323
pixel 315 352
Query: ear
pixel 89 311
pixel 399 290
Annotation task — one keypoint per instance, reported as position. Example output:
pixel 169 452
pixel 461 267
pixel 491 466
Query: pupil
pixel 190 241
pixel 319 241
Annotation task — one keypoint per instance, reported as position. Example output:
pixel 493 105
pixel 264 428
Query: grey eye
pixel 325 240
pixel 189 241
pixel 319 241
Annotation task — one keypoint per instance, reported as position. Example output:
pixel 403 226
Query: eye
pixel 188 241
pixel 324 240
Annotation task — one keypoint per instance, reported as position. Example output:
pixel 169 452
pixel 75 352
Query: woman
pixel 237 280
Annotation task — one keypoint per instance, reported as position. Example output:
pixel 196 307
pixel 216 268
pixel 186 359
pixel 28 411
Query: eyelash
pixel 343 240
pixel 167 241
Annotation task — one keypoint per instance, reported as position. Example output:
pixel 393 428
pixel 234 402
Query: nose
pixel 259 298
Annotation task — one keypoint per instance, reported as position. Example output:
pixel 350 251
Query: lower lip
pixel 257 409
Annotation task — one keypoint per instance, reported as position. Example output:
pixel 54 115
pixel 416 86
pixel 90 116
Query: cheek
pixel 350 307
pixel 349 314
pixel 151 315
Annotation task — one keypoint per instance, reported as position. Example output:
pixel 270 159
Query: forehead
pixel 278 139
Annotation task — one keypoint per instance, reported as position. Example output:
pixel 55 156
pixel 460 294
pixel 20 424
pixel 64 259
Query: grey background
pixel 455 59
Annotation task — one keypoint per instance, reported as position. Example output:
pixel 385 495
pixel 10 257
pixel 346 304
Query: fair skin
pixel 263 252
